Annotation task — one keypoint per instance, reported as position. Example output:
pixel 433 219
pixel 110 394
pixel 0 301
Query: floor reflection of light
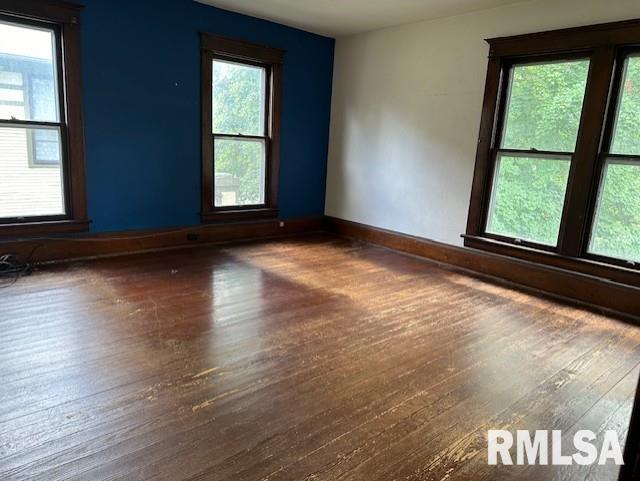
pixel 234 340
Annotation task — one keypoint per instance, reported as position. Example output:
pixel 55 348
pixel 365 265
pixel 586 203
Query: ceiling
pixel 336 18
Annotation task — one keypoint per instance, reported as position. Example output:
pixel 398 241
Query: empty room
pixel 364 240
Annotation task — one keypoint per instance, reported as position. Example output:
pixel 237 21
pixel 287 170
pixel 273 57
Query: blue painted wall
pixel 141 75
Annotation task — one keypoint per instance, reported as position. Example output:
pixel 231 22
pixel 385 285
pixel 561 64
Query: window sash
pixel 258 138
pixel 498 153
pixel 621 77
pixel 591 253
pixel 266 138
pixel 60 125
pixel 57 62
pixel 265 92
pixel 507 95
pixel 497 149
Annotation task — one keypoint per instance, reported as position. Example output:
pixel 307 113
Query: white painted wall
pixel 406 113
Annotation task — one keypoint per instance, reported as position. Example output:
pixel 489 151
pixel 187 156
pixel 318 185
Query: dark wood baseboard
pixel 589 291
pixel 596 293
pixel 65 248
pixel 25 229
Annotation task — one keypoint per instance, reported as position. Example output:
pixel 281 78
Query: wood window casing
pixel 63 19
pixel 270 59
pixel 606 46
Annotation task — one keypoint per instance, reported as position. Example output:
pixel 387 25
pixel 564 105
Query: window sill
pixel 240 215
pixel 590 267
pixel 43 228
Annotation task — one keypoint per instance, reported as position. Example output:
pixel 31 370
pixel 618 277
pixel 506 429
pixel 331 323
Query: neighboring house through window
pixel 25 93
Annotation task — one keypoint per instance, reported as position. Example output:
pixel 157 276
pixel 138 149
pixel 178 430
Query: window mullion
pixel 630 157
pixel 534 152
pixel 573 228
pixel 29 123
pixel 239 136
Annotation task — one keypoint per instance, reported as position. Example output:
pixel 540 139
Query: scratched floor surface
pixel 307 359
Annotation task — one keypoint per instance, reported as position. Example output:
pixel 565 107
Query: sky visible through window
pixel 26 42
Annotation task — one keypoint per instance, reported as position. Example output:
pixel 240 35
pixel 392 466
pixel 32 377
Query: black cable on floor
pixel 12 268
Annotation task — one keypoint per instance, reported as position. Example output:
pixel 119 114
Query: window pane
pixel 46 148
pixel 11 95
pixel 239 172
pixel 545 104
pixel 27 68
pixel 626 135
pixel 616 230
pixel 528 197
pixel 11 78
pixel 27 189
pixel 238 98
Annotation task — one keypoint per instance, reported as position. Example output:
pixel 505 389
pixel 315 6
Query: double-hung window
pixel 615 233
pixel 41 138
pixel 240 135
pixel 557 176
pixel 533 156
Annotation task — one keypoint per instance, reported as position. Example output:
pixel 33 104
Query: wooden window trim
pixel 215 47
pixel 64 18
pixel 606 45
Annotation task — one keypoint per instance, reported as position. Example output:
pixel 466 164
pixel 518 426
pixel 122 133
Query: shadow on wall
pixel 398 153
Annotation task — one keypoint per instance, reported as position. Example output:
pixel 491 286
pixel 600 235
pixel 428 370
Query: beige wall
pixel 406 112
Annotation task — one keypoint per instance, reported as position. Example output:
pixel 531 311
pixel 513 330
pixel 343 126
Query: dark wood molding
pixel 589 291
pixel 64 19
pixel 483 166
pixel 24 229
pixel 578 264
pixel 241 49
pixel 275 113
pixel 206 122
pixel 65 248
pixel 47 10
pixel 75 122
pixel 568 39
pixel 583 184
pixel 240 214
pixel 270 58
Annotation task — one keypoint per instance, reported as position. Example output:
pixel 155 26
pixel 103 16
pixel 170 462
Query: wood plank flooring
pixel 315 358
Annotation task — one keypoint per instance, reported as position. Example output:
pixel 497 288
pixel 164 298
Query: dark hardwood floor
pixel 315 358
